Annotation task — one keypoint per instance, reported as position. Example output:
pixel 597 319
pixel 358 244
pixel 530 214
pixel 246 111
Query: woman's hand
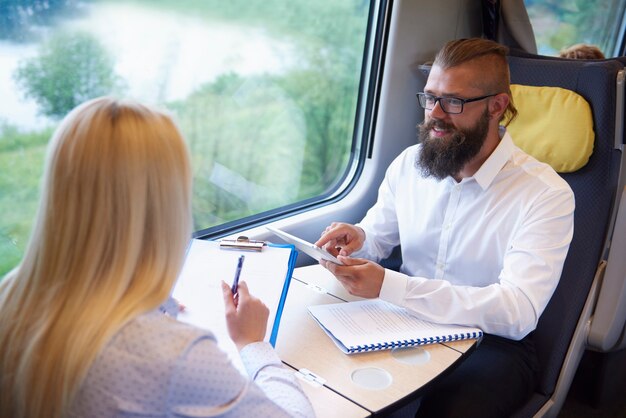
pixel 246 316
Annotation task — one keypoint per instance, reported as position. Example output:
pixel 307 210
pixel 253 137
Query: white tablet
pixel 305 246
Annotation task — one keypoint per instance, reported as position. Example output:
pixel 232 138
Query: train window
pixel 265 91
pixel 561 23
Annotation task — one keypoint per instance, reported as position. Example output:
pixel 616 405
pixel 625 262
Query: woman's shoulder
pixel 156 335
pixel 133 371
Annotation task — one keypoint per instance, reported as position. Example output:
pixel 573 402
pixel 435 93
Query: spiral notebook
pixel 373 324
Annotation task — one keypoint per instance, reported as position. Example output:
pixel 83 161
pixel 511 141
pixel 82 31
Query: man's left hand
pixel 360 277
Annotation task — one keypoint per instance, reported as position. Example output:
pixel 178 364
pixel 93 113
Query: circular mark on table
pixel 411 355
pixel 372 378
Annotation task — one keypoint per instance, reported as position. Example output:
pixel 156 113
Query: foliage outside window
pixel 559 24
pixel 265 92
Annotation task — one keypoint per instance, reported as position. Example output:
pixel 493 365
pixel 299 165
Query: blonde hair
pixel 108 243
pixel 461 51
pixel 582 52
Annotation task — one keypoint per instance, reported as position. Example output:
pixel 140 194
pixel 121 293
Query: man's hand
pixel 341 239
pixel 360 277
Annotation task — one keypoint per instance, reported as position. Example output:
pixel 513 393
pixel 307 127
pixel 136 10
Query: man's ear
pixel 498 105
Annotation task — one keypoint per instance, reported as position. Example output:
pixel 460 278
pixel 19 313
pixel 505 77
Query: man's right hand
pixel 341 239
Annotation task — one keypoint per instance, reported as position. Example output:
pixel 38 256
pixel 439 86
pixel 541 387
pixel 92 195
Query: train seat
pixel 562 331
pixel 608 328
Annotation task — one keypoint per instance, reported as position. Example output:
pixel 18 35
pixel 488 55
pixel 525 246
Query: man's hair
pixel 582 52
pixel 498 79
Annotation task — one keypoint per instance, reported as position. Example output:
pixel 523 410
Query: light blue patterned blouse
pixel 157 366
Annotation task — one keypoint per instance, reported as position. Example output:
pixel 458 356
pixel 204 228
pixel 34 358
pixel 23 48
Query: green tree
pixel 243 129
pixel 562 23
pixel 240 131
pixel 69 69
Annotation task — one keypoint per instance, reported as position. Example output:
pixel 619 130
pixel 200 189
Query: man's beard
pixel 443 157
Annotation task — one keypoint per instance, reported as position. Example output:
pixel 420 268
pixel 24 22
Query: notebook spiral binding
pixel 414 342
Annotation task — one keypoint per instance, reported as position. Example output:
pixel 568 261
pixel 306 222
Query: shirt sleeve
pixel 206 384
pixel 512 306
pixel 277 382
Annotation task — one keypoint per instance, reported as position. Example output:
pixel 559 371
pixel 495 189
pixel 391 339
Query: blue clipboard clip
pixel 242 243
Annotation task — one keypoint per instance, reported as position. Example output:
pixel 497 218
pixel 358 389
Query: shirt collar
pixel 494 163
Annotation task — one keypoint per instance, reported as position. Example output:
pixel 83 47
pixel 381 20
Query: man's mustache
pixel 457 139
pixel 436 123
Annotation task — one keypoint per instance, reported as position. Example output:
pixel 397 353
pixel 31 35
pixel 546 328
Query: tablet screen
pixel 305 246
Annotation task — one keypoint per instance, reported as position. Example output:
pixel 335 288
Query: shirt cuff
pixel 393 289
pixel 365 250
pixel 256 356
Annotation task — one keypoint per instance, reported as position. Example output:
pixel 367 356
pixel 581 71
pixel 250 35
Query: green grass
pixel 21 167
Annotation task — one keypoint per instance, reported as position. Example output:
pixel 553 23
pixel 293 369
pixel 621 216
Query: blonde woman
pixel 84 330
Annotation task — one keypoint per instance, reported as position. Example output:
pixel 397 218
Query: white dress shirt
pixel 486 252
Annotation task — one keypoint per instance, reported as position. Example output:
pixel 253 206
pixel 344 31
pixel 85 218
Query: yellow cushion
pixel 554 125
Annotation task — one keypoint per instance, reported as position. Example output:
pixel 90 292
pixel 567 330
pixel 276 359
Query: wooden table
pixel 303 345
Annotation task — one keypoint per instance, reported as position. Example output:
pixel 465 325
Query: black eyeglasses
pixel 452 105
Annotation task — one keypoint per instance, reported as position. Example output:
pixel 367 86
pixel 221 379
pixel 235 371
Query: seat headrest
pixel 554 125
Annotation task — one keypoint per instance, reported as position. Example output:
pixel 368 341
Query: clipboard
pixel 267 271
pixel 242 243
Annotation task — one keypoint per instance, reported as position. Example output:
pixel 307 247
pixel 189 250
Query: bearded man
pixel 483 227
